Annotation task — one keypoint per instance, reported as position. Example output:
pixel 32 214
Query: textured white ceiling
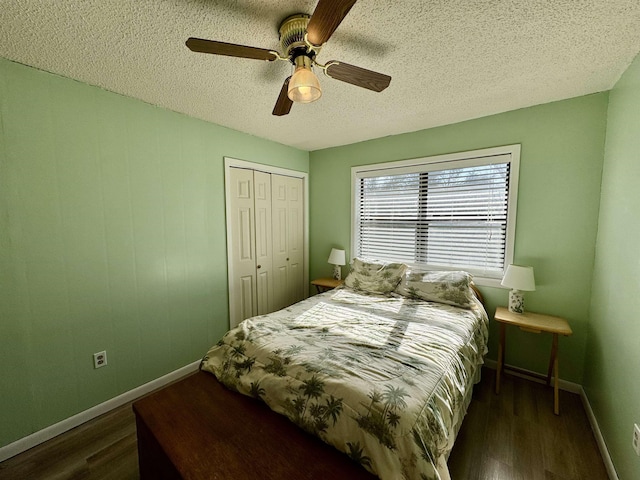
pixel 451 60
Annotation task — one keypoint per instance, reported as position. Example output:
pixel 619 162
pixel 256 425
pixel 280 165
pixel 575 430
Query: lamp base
pixel 516 301
pixel 337 272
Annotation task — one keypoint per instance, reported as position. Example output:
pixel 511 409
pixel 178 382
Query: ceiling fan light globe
pixel 304 86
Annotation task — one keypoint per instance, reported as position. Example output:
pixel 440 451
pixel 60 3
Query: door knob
pixel 287 259
pixel 259 266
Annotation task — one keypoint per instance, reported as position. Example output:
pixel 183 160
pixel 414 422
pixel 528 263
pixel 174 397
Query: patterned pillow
pixel 374 277
pixel 450 287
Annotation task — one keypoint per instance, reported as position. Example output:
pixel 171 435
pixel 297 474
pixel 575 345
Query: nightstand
pixel 325 284
pixel 534 323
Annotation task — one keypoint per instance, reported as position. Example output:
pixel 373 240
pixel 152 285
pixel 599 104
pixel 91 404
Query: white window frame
pixel 453 160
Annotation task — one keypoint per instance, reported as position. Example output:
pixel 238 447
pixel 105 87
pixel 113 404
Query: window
pixel 447 212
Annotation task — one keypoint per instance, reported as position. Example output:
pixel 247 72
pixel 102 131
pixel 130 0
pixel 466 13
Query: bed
pixel 381 369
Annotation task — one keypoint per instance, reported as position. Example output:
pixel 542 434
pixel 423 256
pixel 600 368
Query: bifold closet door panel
pixel 288 240
pixel 242 262
pixel 296 238
pixel 263 226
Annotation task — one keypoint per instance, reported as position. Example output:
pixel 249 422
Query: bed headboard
pixel 478 294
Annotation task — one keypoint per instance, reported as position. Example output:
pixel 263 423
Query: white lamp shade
pixel 519 277
pixel 337 257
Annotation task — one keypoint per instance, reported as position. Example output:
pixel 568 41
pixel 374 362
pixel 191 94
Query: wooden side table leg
pixel 552 358
pixel 501 354
pixel 554 350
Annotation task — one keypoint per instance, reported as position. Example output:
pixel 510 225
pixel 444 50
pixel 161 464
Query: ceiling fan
pixel 301 38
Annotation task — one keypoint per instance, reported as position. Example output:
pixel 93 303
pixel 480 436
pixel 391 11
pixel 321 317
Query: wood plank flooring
pixel 511 436
pixel 516 436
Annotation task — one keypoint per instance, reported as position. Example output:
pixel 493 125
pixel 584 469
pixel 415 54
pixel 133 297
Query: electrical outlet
pixel 99 359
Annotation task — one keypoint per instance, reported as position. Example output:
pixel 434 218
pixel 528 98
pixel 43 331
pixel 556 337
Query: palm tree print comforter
pixel 384 379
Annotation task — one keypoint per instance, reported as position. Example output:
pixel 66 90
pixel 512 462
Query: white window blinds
pixel 451 215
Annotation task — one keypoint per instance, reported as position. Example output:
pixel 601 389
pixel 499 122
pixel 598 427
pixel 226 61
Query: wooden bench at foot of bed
pixel 197 429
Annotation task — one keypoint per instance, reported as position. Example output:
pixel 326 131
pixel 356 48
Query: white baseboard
pixel 604 451
pixel 56 429
pixel 573 388
pixel 534 376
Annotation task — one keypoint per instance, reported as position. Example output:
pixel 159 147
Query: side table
pixel 325 284
pixel 534 323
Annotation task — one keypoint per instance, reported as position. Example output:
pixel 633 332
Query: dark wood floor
pixel 516 436
pixel 511 436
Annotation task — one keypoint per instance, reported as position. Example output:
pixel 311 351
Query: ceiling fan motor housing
pixel 292 32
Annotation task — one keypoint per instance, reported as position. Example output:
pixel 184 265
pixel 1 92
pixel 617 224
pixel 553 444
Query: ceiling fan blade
pixel 229 49
pixel 360 77
pixel 326 18
pixel 283 104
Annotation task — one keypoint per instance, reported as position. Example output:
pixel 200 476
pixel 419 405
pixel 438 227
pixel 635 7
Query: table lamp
pixel 519 278
pixel 337 258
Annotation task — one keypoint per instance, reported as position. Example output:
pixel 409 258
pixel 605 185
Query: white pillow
pixel 450 287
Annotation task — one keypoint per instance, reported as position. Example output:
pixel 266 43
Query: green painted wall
pixel 558 197
pixel 613 349
pixel 111 238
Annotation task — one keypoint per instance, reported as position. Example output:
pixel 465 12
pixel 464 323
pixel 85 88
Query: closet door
pixel 288 239
pixel 296 238
pixel 242 261
pixel 263 225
